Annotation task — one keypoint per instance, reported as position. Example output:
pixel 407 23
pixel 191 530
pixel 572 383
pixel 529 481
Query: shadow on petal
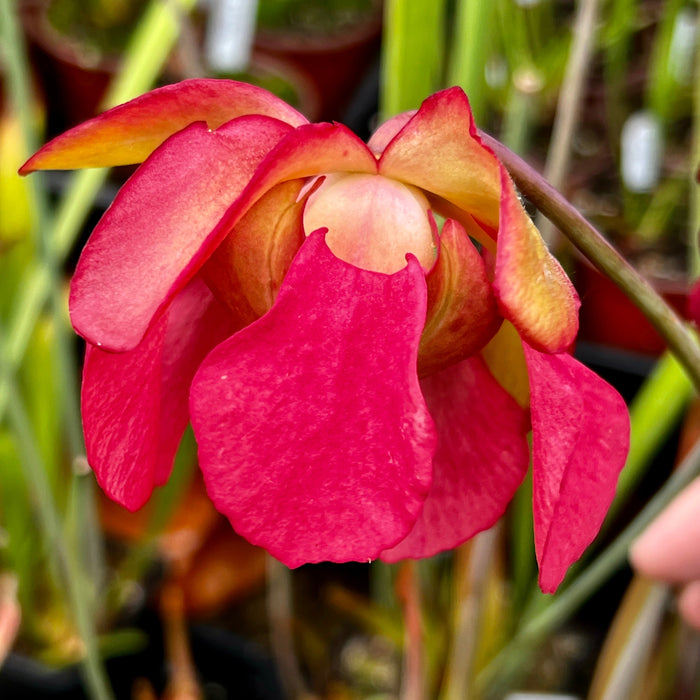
pixel 481 458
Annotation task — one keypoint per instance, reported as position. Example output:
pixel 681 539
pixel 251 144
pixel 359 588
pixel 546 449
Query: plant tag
pixel 229 34
pixel 641 150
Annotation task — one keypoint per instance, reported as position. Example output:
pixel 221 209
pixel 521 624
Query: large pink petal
pixel 532 289
pixel 580 439
pixel 162 226
pixel 130 132
pixel 481 459
pixel 313 435
pixel 439 151
pixel 135 404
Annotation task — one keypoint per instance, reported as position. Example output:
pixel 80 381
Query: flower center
pixel 372 221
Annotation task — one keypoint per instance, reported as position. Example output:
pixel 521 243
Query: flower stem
pixel 473 561
pixel 603 255
pixel 280 619
pixel 409 594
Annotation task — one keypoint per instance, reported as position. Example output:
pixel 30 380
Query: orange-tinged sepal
pixel 532 289
pixel 129 133
pixel 439 151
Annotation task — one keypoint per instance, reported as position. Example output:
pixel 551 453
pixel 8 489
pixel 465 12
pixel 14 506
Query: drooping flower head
pixel 361 380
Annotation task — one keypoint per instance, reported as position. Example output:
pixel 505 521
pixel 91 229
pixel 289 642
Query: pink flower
pixel 360 384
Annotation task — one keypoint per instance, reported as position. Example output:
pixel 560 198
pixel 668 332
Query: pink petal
pixel 462 311
pixel 580 439
pixel 532 289
pixel 481 459
pixel 130 132
pixel 134 404
pixel 161 227
pixel 314 438
pixel 439 151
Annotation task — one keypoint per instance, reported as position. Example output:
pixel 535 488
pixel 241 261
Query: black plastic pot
pixel 229 668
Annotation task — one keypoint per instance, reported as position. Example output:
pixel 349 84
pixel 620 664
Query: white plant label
pixel 229 36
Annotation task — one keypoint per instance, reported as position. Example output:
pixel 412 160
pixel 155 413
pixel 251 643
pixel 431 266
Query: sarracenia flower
pixel 361 383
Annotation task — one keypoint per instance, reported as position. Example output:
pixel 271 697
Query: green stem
pixel 68 564
pixel 472 564
pixel 470 46
pixel 608 260
pixel 509 660
pixel 280 616
pixel 19 82
pixel 411 60
pixel 413 680
pixel 52 531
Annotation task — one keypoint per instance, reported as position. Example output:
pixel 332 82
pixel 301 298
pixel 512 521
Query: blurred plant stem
pixel 469 53
pixel 280 619
pixel 408 591
pixel 77 559
pixel 471 571
pixel 412 59
pixel 681 341
pixel 631 641
pixel 67 562
pixel 52 530
pixel 569 104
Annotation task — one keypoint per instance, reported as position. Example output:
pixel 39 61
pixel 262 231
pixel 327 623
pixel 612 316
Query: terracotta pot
pixel 73 80
pixel 334 63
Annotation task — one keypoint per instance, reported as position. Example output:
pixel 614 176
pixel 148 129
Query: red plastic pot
pixel 607 317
